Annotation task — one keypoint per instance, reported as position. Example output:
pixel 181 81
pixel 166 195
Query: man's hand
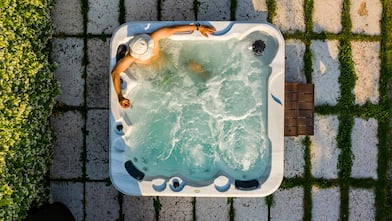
pixel 124 102
pixel 206 30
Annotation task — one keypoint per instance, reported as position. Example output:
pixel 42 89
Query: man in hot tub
pixel 144 49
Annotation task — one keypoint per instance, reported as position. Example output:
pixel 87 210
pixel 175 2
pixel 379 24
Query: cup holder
pixel 159 185
pixel 222 183
pixel 119 128
pixel 177 184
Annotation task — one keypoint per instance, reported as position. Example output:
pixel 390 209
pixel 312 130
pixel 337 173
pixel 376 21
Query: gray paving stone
pixel 67 17
pixel 326 71
pixel 324 152
pixel 97 142
pixel 325 204
pixel 366 58
pixel 288 204
pixel 101 202
pixel 70 194
pixel 68 54
pixel 365 16
pixel 389 172
pixel 138 208
pixel 176 208
pixel 362 204
pixel 290 15
pixel 364 148
pixel 177 10
pixel 250 10
pixel 98 75
pixel 327 16
pixel 250 209
pixel 293 157
pixel 146 10
pixel 103 16
pixel 67 161
pixel 212 209
pixel 210 10
pixel 295 50
pixel 388 205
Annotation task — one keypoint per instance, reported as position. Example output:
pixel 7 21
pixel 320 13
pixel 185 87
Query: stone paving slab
pixel 288 204
pixel 250 209
pixel 210 10
pixel 325 204
pixel 367 69
pixel 101 202
pixel 362 204
pixel 97 142
pixel 293 157
pixel 177 10
pixel 327 16
pixel 324 152
pixel 294 61
pixel 67 17
pixel 326 71
pixel 176 208
pixel 98 73
pixel 290 15
pixel 212 209
pixel 146 10
pixel 250 10
pixel 68 55
pixel 364 148
pixel 138 208
pixel 70 194
pixel 103 16
pixel 67 157
pixel 366 16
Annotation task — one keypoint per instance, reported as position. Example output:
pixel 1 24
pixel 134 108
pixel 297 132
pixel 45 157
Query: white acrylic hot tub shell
pixel 130 186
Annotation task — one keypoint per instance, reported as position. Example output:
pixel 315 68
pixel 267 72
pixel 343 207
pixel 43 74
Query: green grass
pixel 271 6
pixel 157 207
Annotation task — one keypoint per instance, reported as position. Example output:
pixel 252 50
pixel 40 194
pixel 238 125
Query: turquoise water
pixel 189 125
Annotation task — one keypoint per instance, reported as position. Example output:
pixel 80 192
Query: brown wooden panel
pixel 306 88
pixel 291 105
pixel 305 130
pixel 290 114
pixel 290 122
pixel 305 121
pixel 291 97
pixel 305 113
pixel 290 131
pixel 305 105
pixel 305 97
pixel 299 109
pixel 290 86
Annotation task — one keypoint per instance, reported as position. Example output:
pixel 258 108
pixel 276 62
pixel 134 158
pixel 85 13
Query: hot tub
pixel 192 135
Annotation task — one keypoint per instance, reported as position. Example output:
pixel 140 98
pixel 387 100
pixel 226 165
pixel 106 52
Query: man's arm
pixel 168 31
pixel 121 66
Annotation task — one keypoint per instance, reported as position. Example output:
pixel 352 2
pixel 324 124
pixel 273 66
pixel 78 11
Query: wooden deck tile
pixel 299 109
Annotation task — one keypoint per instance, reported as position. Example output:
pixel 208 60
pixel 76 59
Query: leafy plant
pixel 27 92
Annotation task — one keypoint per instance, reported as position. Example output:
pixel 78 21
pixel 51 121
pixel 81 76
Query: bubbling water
pixel 186 125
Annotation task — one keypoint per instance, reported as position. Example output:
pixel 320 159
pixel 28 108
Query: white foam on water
pixel 185 125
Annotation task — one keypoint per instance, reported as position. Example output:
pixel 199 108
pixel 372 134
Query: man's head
pixel 141 47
